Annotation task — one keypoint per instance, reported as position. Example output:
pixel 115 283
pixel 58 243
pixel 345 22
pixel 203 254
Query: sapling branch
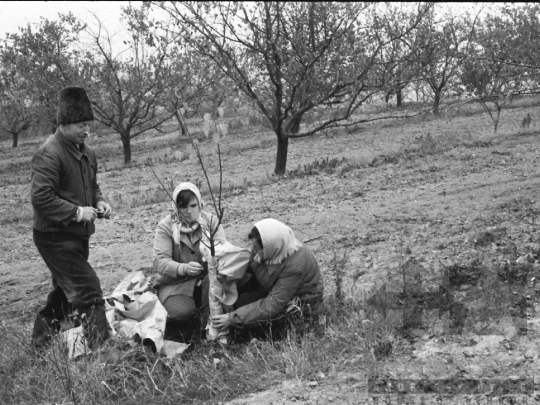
pixel 189 230
pixel 221 210
pixel 217 204
pixel 149 164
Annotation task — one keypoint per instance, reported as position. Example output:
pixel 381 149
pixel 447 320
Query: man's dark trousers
pixel 75 287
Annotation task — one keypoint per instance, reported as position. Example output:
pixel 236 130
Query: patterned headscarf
pixel 278 240
pixel 177 220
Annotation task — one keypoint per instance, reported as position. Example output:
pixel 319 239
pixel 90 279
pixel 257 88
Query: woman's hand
pixel 221 322
pixel 190 269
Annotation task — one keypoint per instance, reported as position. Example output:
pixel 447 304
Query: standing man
pixel 67 200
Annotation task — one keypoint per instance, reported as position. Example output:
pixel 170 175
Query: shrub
pixel 318 166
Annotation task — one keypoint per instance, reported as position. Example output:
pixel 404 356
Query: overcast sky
pixel 14 14
pixel 19 13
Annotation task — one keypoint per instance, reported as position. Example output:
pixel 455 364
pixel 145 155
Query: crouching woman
pixel 182 276
pixel 285 279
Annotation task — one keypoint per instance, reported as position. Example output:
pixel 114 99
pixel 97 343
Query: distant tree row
pixel 289 60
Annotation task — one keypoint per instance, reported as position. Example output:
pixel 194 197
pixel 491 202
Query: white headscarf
pixel 278 240
pixel 177 220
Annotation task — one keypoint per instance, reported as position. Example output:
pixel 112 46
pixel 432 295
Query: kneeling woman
pixel 182 276
pixel 283 271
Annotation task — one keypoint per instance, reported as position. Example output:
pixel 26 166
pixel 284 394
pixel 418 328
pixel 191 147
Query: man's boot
pixel 96 326
pixel 44 328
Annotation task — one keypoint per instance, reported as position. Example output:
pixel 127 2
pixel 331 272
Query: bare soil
pixel 421 196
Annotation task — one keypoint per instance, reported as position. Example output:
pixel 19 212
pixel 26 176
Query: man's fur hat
pixel 73 106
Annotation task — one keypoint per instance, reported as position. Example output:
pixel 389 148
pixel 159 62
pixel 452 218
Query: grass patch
pixel 204 374
pixel 17 209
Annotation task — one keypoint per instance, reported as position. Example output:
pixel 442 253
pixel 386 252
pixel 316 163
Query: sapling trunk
pixel 215 306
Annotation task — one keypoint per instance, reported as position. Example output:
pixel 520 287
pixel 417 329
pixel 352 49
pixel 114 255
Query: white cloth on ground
pixel 135 313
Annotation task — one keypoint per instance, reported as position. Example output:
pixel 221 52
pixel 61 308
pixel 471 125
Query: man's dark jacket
pixel 63 178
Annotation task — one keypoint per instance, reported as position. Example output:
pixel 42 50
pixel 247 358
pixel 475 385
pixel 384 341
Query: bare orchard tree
pixel 202 87
pixel 497 71
pixel 133 89
pixel 40 59
pixel 294 58
pixel 440 46
pixel 16 113
pixel 398 17
pixel 128 86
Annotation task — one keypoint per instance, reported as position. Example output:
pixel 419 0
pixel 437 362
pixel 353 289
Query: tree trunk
pixel 496 121
pixel 399 97
pixel 183 132
pixel 281 157
pixel 388 95
pixel 436 102
pixel 15 139
pixel 183 129
pixel 126 141
pixel 295 125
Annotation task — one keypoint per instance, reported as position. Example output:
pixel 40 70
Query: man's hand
pixel 190 269
pixel 221 322
pixel 104 209
pixel 89 214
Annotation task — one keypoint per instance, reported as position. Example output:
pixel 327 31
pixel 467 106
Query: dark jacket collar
pixel 70 146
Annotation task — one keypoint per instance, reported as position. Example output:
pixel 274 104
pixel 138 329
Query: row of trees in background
pixel 287 60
